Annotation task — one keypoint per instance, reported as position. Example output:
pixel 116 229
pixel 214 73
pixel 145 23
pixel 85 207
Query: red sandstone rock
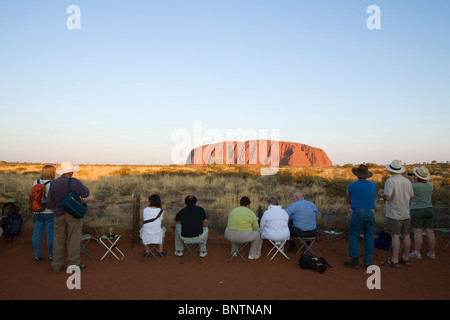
pixel 258 152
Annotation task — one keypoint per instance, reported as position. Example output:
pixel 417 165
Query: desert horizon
pixel 218 188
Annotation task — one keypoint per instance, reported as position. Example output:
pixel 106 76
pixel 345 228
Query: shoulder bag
pixel 73 204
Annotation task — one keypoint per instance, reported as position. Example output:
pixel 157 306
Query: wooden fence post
pixel 135 238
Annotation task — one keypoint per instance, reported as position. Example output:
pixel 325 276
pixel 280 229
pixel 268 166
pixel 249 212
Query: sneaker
pixel 431 255
pixel 38 259
pixel 203 254
pixel 178 253
pixel 254 257
pixel 353 263
pixel 50 259
pixel 415 254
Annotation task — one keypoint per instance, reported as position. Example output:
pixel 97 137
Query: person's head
pixel 297 196
pixel 395 167
pixel 245 201
pixel 421 174
pixel 273 201
pixel 48 172
pixel 190 200
pixel 154 201
pixel 67 169
pixel 362 172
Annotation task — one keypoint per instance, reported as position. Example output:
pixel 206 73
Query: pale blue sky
pixel 116 90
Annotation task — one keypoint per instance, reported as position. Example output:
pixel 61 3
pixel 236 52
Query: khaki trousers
pixel 66 228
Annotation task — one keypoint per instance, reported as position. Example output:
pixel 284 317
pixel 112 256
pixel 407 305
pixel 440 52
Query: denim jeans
pixel 43 222
pixel 362 222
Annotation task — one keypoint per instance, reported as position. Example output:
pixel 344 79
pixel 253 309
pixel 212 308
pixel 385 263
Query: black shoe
pixel 353 263
pixel 38 259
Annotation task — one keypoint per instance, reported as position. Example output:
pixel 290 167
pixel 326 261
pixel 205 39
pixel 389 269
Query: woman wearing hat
pixel 422 212
pixel 361 195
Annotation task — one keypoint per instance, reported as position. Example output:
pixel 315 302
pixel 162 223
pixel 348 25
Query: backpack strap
pixel 69 184
pixel 151 220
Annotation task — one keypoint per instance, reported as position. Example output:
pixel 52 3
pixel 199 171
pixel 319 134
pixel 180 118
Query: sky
pixel 143 82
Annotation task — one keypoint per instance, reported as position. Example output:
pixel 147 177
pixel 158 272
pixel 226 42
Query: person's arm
pixel 162 219
pixel 386 194
pixel 205 223
pixel 80 188
pixel 262 222
pixel 50 200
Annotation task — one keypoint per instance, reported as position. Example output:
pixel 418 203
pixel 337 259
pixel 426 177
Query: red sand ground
pixel 214 278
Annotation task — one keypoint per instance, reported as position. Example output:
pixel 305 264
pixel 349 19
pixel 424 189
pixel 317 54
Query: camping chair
pixel 193 250
pixel 239 251
pixel 442 233
pixel 307 243
pixel 154 246
pixel 89 233
pixel 278 246
pixel 85 238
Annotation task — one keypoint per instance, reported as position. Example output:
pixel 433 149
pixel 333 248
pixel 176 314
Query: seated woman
pixel 274 222
pixel 243 227
pixel 153 230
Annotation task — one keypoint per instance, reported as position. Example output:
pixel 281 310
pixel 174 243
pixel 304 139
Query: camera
pixel 411 174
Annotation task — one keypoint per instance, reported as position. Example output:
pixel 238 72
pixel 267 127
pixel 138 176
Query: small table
pixel 112 245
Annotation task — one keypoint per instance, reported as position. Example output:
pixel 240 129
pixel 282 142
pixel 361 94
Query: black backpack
pixel 308 262
pixel 384 241
pixel 12 223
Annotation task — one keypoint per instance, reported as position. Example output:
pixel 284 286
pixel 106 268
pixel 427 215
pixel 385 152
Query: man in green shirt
pixel 243 227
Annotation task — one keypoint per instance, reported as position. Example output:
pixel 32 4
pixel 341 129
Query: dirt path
pixel 214 278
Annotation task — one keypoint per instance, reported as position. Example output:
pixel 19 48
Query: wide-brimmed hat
pixel 395 166
pixel 422 173
pixel 362 172
pixel 66 167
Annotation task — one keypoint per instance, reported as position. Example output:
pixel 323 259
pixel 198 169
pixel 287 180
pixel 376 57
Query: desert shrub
pixel 311 180
pixel 441 197
pixel 284 177
pixel 337 187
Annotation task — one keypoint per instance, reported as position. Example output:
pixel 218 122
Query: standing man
pixel 67 227
pixel 361 197
pixel 397 192
pixel 303 215
pixel 190 224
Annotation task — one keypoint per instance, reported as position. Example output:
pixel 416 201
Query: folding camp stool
pixel 278 246
pixel 439 233
pixel 150 251
pixel 239 251
pixel 332 236
pixel 85 238
pixel 112 245
pixel 193 250
pixel 304 242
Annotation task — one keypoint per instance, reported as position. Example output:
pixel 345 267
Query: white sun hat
pixel 395 166
pixel 422 173
pixel 66 167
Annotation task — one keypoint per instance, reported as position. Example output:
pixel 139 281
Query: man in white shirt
pixel 397 193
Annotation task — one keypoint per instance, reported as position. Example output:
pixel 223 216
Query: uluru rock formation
pixel 259 152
